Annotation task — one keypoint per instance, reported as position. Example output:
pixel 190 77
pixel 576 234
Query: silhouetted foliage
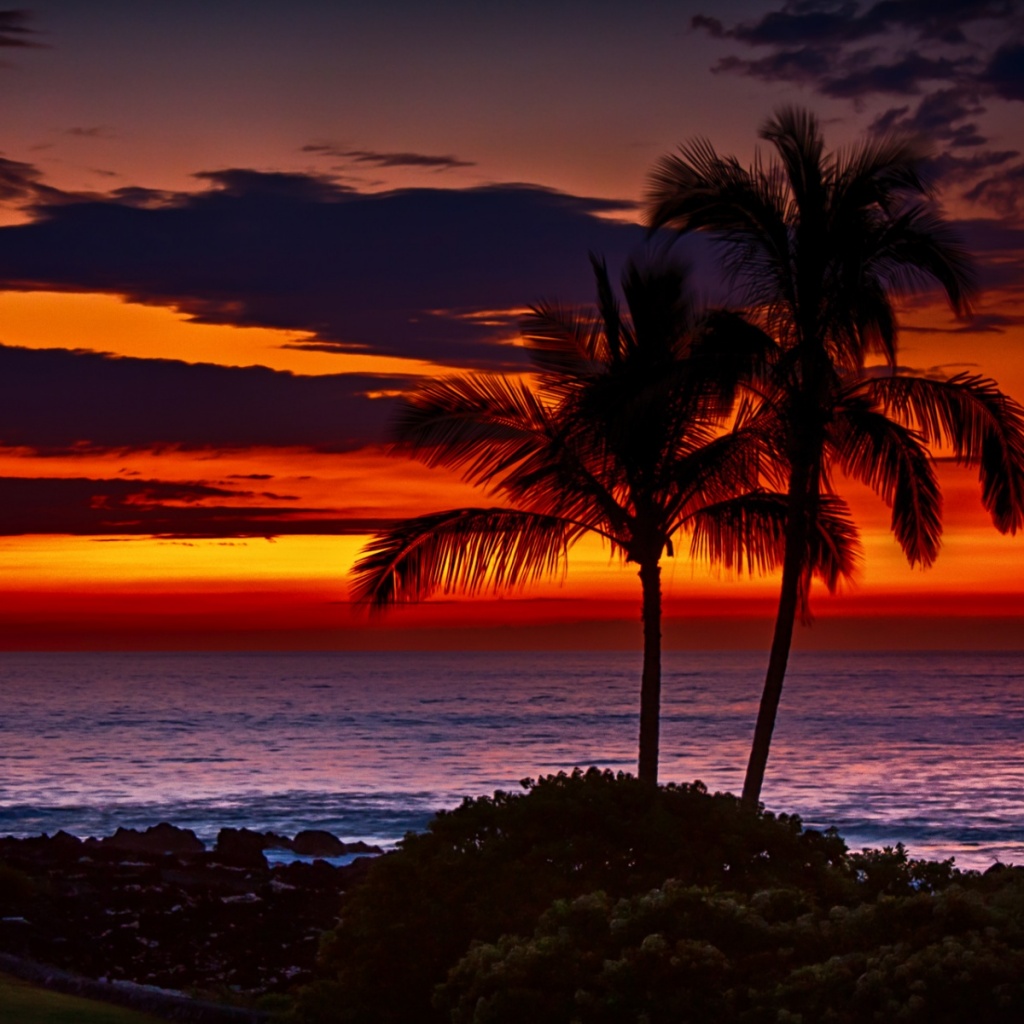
pixel 495 864
pixel 704 956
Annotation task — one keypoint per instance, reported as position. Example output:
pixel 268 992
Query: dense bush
pixel 693 954
pixel 596 899
pixel 493 865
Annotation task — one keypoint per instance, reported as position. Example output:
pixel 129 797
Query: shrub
pixel 687 953
pixel 492 866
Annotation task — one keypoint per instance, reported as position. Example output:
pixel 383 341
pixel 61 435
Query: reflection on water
pixel 920 748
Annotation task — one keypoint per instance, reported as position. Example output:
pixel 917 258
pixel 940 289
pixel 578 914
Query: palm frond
pixel 878 173
pixel 983 427
pixel 611 319
pixel 560 342
pixel 915 249
pixel 730 351
pixel 480 424
pixel 705 474
pixel 895 463
pixel 834 549
pixel 796 136
pixel 465 549
pixel 747 533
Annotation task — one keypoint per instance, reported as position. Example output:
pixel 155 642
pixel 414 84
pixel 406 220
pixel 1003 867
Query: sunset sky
pixel 233 233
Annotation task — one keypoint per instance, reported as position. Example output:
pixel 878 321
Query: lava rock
pixel 315 842
pixel 240 846
pixel 162 838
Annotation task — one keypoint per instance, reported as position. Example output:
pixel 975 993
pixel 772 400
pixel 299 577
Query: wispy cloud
pixel 82 506
pixel 378 158
pixel 15 30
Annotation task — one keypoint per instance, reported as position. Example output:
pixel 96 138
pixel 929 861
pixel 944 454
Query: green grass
pixel 22 1003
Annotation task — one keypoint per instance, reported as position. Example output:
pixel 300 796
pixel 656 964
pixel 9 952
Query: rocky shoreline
pixel 158 909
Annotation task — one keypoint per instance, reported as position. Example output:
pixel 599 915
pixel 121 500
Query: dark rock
pixel 189 921
pixel 65 841
pixel 360 847
pixel 162 838
pixel 318 843
pixel 241 846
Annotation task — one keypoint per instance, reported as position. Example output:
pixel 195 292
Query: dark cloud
pixel 979 323
pixel 388 159
pixel 938 116
pixel 96 131
pixel 55 401
pixel 950 168
pixel 800 22
pixel 998 245
pixel 398 273
pixel 1005 72
pixel 861 76
pixel 88 507
pixel 841 75
pixel 805 65
pixel 15 31
pixel 1003 192
pixel 959 56
pixel 20 181
pixel 282 186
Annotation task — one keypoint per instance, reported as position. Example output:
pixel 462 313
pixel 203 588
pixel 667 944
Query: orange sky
pixel 212 130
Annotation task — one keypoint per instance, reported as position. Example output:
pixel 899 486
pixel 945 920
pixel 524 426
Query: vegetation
pixel 822 244
pixel 596 897
pixel 621 436
pixel 696 954
pixel 21 1003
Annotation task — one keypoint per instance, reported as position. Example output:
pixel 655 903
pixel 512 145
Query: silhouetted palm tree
pixel 822 243
pixel 621 435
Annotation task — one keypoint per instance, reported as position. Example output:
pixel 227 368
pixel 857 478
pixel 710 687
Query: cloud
pixel 95 131
pixel 54 401
pixel 936 117
pixel 959 56
pixel 96 507
pixel 21 181
pixel 800 22
pixel 1003 192
pixel 848 75
pixel 15 31
pixel 393 273
pixel 1005 72
pixel 979 323
pixel 860 75
pixel 387 159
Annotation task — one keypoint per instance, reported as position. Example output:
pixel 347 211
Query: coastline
pixel 159 910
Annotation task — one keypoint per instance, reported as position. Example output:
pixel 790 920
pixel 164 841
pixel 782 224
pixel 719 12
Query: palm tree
pixel 620 435
pixel 821 244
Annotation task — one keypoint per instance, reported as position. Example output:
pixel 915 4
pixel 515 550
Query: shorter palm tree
pixel 620 435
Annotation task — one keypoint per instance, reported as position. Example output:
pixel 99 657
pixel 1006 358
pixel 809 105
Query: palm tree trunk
pixel 793 565
pixel 650 684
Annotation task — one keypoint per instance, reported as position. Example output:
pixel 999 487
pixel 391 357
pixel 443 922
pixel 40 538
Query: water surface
pixel 920 748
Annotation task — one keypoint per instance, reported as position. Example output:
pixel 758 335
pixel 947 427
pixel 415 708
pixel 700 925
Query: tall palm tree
pixel 620 435
pixel 822 244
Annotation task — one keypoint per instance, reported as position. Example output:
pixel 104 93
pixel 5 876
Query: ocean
pixel 920 748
